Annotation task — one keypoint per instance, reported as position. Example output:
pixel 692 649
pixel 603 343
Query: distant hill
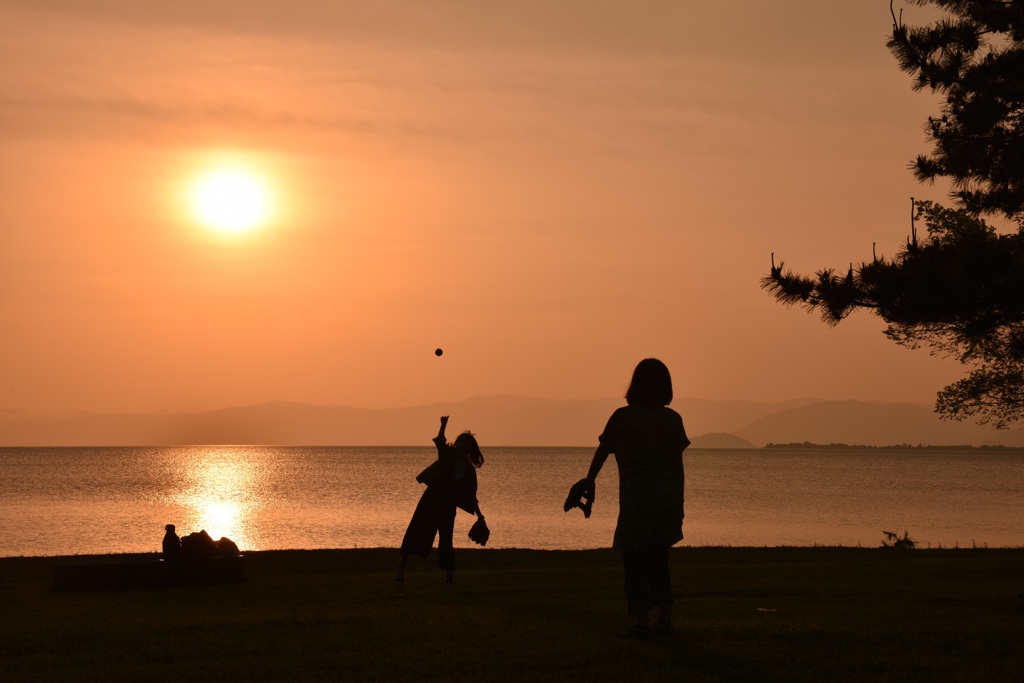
pixel 508 421
pixel 498 420
pixel 703 416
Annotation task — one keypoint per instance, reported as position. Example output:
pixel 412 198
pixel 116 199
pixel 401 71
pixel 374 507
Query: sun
pixel 231 200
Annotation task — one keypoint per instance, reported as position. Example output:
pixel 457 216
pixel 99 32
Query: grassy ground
pixel 744 614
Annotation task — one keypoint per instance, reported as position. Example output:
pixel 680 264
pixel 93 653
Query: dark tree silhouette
pixel 960 288
pixel 975 58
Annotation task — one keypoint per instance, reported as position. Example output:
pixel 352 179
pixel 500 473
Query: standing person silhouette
pixel 648 439
pixel 451 484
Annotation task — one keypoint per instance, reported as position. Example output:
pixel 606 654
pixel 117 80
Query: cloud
pixel 773 32
pixel 620 76
pixel 184 114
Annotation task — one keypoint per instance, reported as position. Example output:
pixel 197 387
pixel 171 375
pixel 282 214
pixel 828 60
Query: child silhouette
pixel 451 484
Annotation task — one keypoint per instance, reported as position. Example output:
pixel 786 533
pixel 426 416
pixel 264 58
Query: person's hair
pixel 466 443
pixel 651 384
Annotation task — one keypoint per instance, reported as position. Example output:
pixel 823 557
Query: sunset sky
pixel 549 191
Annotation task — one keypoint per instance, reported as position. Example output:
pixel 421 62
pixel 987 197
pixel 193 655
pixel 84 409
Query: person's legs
pixel 638 597
pixel 445 542
pixel 419 536
pixel 648 582
pixel 659 582
pixel 400 572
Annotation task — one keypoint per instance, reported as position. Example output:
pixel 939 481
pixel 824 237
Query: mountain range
pixel 510 421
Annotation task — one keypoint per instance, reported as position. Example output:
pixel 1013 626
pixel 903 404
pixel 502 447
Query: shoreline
pixel 676 549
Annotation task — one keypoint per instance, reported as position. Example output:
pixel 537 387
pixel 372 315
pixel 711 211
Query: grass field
pixel 742 614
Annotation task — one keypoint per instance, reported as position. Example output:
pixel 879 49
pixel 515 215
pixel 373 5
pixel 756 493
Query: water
pixel 59 501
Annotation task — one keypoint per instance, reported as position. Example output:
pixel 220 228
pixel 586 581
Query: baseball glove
pixel 479 533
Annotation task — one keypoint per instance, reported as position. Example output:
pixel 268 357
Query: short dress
pixel 648 443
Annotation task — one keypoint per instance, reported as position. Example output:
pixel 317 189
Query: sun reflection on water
pixel 221 494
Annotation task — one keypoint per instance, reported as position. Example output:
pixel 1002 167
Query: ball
pixel 438 352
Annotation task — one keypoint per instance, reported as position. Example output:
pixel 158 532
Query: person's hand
pixel 444 420
pixel 581 495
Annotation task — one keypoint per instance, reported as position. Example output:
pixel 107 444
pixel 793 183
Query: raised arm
pixel 439 441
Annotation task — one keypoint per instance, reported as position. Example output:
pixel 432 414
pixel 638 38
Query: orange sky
pixel 550 191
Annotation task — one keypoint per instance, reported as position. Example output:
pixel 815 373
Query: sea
pixel 82 501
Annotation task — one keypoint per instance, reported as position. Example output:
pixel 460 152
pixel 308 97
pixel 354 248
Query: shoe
pixel 448 586
pixel 399 577
pixel 639 632
pixel 663 628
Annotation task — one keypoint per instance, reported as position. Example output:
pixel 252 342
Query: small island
pixel 893 447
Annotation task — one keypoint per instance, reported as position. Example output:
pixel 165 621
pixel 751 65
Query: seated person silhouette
pixel 172 545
